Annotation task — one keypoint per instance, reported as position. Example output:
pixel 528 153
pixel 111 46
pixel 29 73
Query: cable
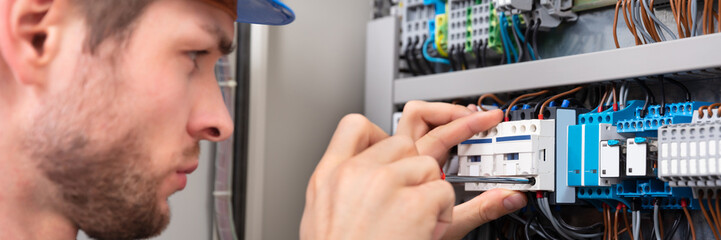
pixel 534 42
pixel 636 228
pixel 674 227
pixel 656 229
pixel 603 99
pixel 492 96
pixel 543 106
pixel 625 222
pixel 480 62
pixel 705 215
pixel 484 51
pixel 681 86
pixel 428 64
pixel 718 211
pixel 710 108
pixel 417 60
pixel 433 59
pixel 615 24
pixel 649 97
pixel 527 40
pixel 516 39
pixel 409 57
pixel 615 222
pixel 605 222
pixel 712 210
pixel 516 21
pixel 452 57
pixel 507 38
pixel 507 52
pixel 615 99
pixel 524 96
pixel 629 24
pixel 462 56
pixel 688 219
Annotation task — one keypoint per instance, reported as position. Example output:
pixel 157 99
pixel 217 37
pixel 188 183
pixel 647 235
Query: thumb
pixel 486 207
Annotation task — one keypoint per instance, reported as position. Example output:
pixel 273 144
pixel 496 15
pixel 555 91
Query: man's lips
pixel 182 173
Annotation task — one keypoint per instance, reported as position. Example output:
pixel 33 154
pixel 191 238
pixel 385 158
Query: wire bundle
pixel 642 22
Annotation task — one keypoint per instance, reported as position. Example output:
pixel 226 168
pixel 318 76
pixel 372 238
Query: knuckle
pixel 354 120
pixel 413 106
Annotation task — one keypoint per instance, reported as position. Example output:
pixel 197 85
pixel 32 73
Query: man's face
pixel 121 129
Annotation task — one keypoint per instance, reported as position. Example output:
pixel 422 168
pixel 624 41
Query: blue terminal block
pixel 648 125
pixel 625 192
pixel 609 116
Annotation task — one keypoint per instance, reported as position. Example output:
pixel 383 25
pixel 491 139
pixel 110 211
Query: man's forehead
pixel 228 6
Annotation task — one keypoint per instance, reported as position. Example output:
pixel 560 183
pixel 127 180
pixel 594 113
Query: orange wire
pixel 625 222
pixel 519 98
pixel 710 107
pixel 543 106
pixel 688 219
pixel 700 111
pixel 714 217
pixel 615 225
pixel 629 24
pixel 718 212
pixel 615 23
pixel 705 215
pixel 660 224
pixel 493 96
pixel 605 222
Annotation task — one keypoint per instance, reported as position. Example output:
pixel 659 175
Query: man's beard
pixel 98 165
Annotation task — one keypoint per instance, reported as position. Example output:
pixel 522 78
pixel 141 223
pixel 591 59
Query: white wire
pixel 636 215
pixel 656 229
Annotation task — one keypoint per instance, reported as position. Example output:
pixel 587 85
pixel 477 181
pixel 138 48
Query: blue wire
pixel 516 22
pixel 504 31
pixel 428 57
pixel 505 43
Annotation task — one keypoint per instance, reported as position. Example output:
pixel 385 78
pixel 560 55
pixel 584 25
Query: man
pixel 102 105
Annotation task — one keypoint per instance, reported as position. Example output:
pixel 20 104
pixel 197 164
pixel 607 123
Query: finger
pixel 439 140
pixel 354 134
pixel 419 117
pixel 442 197
pixel 472 107
pixel 416 170
pixel 389 150
pixel 486 207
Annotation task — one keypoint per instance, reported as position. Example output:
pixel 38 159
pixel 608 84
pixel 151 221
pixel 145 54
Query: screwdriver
pixel 469 179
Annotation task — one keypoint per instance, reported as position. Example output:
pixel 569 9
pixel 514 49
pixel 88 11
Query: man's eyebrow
pixel 225 43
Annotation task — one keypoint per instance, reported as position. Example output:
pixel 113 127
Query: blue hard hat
pixel 270 12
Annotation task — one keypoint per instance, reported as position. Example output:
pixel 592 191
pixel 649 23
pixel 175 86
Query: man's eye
pixel 194 55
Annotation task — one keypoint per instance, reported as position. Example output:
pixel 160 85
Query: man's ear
pixel 33 38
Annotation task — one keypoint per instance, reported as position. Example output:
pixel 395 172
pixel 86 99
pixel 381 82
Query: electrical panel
pixel 595 121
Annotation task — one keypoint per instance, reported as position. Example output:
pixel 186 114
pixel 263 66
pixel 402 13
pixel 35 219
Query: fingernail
pixel 514 202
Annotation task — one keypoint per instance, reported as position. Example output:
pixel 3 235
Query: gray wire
pixel 566 233
pixel 636 16
pixel 658 22
pixel 656 229
pixel 636 217
pixel 551 219
pixel 694 11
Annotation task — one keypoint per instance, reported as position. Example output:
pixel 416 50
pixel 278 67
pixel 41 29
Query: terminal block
pixel 469 22
pixel 647 123
pixel 511 149
pixel 705 116
pixel 416 20
pixel 641 153
pixel 513 6
pixel 689 154
pixel 644 190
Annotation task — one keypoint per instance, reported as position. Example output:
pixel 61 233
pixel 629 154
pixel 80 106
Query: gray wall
pixel 315 77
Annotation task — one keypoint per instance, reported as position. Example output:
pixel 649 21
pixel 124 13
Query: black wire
pixel 451 58
pixel 535 33
pixel 518 43
pixel 680 85
pixel 419 57
pixel 428 63
pixel 529 24
pixel 477 51
pixel 674 227
pixel 462 55
pixel 662 109
pixel 503 54
pixel 574 228
pixel 484 52
pixel 409 59
pixel 538 106
pixel 649 97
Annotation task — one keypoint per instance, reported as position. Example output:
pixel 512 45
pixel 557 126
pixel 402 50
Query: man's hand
pixel 435 128
pixel 371 186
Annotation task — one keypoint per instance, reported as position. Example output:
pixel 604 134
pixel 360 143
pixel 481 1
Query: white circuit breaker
pixel 511 149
